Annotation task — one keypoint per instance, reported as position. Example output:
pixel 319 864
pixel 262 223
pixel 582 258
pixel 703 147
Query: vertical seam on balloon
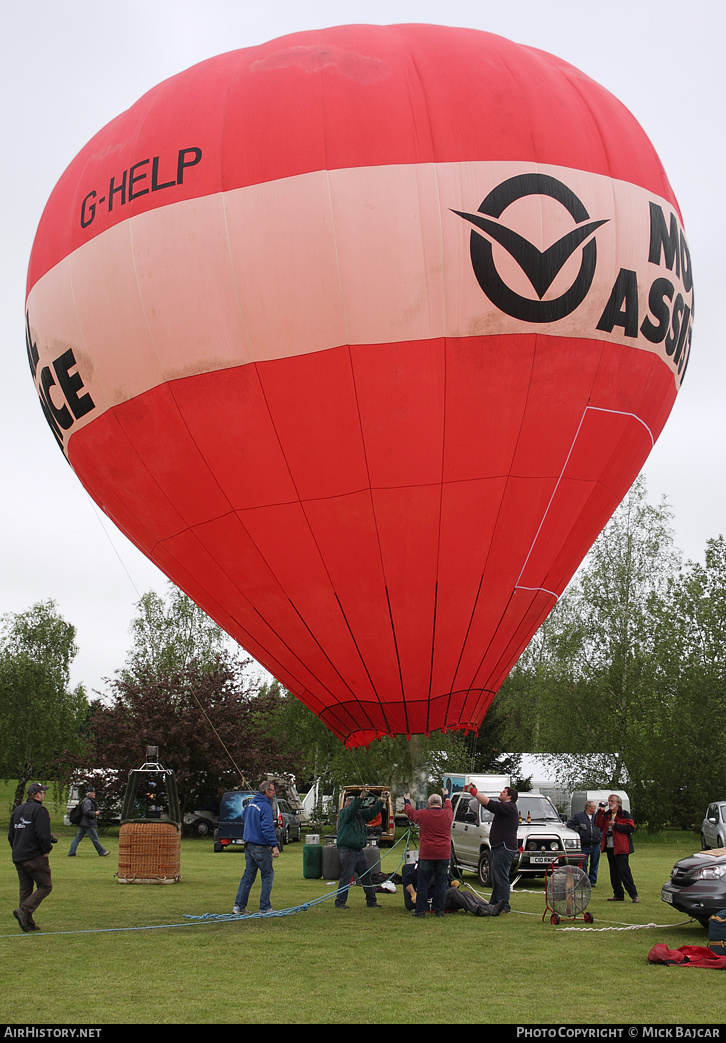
pixel 420 82
pixel 375 522
pixel 398 659
pixel 360 428
pixel 355 391
pixel 364 665
pixel 444 347
pixel 363 445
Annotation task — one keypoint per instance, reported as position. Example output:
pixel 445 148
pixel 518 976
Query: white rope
pixel 628 927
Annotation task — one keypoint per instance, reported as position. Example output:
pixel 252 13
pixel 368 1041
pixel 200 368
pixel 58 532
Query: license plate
pixel 667 896
pixel 238 841
pixel 541 859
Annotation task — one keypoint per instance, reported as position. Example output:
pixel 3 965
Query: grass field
pixel 125 954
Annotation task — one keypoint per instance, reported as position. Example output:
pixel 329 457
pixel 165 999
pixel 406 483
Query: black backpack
pixel 76 814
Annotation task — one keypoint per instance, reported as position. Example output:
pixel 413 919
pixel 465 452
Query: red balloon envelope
pixel 361 335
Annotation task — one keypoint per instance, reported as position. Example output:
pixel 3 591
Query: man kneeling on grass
pixel 456 897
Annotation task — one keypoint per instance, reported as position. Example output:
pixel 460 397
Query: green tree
pixel 215 728
pixel 184 689
pixel 590 688
pixel 168 633
pixel 41 716
pixel 692 657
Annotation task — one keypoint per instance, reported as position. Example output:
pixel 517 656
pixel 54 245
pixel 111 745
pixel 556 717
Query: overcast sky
pixel 68 69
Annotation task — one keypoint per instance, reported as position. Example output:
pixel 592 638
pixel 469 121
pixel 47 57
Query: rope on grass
pixel 224 917
pixel 629 927
pixel 206 918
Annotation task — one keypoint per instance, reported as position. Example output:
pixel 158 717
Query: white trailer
pixel 491 785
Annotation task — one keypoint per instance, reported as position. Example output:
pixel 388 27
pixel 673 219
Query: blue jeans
pixel 502 858
pixel 256 857
pixel 93 834
pixel 438 868
pixel 592 859
pixel 352 862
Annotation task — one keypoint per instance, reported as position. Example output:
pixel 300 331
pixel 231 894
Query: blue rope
pixel 205 918
pixel 223 917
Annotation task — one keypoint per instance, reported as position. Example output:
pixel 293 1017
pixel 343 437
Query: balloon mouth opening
pixel 364 738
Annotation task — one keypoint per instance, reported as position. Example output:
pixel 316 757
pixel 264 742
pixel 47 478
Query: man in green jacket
pixel 352 838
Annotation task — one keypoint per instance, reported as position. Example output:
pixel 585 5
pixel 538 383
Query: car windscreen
pixel 539 809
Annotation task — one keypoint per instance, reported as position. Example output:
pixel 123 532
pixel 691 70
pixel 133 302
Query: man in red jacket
pixel 434 823
pixel 617 842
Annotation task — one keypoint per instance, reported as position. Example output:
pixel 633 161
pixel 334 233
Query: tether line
pixel 191 920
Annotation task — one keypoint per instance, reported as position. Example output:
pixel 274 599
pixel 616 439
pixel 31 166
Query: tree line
pixel 620 688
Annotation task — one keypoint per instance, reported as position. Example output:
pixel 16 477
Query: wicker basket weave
pixel 149 853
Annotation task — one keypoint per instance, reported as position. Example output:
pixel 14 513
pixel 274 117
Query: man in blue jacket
pixel 584 823
pixel 260 849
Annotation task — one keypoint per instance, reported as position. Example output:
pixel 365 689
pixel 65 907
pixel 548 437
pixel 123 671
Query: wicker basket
pixel 149 853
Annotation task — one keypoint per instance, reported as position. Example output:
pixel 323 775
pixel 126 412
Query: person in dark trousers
pixel 260 849
pixel 352 838
pixel 456 897
pixel 31 841
pixel 434 825
pixel 617 828
pixel 502 839
pixel 583 822
pixel 87 825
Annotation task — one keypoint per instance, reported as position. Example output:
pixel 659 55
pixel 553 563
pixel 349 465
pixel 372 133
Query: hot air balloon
pixel 361 335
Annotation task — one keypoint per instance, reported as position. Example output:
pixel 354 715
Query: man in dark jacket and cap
pixel 352 838
pixel 31 841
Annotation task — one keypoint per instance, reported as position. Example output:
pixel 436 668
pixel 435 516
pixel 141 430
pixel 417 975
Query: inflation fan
pixel 567 893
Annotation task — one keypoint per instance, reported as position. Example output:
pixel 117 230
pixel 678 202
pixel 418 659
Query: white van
pixel 580 798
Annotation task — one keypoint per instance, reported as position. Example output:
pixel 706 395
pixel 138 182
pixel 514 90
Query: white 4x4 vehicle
pixel 541 834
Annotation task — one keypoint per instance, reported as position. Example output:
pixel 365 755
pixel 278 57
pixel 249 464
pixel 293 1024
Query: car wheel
pixel 286 835
pixel 217 847
pixel 202 828
pixel 719 842
pixel 704 845
pixel 484 869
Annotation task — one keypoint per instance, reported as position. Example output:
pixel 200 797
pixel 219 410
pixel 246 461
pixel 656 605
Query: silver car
pixel 713 827
pixel 541 834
